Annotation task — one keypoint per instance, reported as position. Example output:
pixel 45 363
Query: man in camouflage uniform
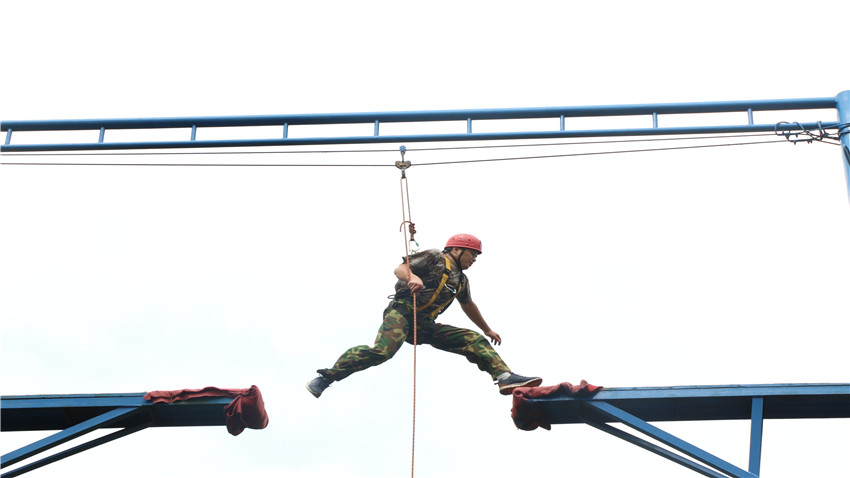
pixel 436 278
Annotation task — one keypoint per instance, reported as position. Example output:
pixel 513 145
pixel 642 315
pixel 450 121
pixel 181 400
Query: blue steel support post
pixel 756 429
pixel 843 106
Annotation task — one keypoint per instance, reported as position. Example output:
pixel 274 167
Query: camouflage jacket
pixel 430 266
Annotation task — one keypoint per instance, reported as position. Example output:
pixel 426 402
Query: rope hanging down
pixel 407 219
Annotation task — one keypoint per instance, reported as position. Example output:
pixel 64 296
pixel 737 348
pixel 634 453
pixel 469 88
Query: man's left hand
pixel 494 337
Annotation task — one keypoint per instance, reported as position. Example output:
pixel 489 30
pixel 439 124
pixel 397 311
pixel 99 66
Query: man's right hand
pixel 415 283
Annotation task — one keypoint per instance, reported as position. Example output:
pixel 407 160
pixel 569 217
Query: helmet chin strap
pixel 457 259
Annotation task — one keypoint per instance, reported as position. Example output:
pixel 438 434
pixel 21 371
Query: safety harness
pixel 443 282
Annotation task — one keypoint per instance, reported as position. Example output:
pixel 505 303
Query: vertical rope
pixel 407 219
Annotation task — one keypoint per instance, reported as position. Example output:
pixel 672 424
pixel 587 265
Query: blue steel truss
pixel 77 415
pixel 374 121
pixel 635 407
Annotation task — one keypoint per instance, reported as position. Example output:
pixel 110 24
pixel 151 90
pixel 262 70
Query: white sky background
pixel 717 266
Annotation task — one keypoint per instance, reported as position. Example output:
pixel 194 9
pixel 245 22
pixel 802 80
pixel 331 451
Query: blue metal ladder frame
pixel 77 415
pixel 636 407
pixel 374 121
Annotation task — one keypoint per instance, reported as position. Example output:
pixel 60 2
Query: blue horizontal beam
pixel 374 120
pixel 724 391
pixel 232 143
pixel 423 116
pixel 715 402
pixel 57 412
pixel 20 402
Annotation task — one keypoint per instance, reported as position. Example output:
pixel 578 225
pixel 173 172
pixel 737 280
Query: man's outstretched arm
pixel 471 311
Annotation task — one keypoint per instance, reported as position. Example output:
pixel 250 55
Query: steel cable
pixel 434 163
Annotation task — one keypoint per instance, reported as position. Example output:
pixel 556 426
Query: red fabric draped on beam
pixel 528 416
pixel 247 410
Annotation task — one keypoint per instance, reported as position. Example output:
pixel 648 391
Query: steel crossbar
pixel 636 407
pixel 77 415
pixel 374 120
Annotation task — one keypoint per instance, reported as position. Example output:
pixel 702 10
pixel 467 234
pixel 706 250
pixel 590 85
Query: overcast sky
pixel 687 267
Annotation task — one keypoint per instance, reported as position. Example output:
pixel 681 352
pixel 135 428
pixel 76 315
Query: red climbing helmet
pixel 467 241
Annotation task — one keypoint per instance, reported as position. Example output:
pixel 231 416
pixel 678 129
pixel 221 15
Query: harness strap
pixel 443 281
pixel 439 287
pixel 439 309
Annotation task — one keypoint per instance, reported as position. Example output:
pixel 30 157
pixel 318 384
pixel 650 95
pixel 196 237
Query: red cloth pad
pixel 247 410
pixel 528 416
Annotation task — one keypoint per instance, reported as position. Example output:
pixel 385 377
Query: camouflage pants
pixel 396 330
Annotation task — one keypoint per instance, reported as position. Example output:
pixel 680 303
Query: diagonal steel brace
pixel 646 445
pixel 73 451
pixel 616 414
pixel 68 434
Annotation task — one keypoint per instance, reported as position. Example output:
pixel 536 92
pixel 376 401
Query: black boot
pixel 318 385
pixel 512 381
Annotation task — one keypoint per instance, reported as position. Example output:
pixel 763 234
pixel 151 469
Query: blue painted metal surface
pixel 234 143
pixel 57 412
pixel 756 430
pixel 73 451
pixel 652 111
pixel 77 415
pixel 663 452
pixel 99 421
pixel 642 426
pixel 637 406
pixel 713 402
pixel 191 124
pixel 843 106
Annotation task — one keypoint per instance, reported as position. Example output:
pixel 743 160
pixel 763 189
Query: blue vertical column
pixel 843 106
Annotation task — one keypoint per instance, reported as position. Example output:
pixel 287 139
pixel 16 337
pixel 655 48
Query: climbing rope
pixel 406 218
